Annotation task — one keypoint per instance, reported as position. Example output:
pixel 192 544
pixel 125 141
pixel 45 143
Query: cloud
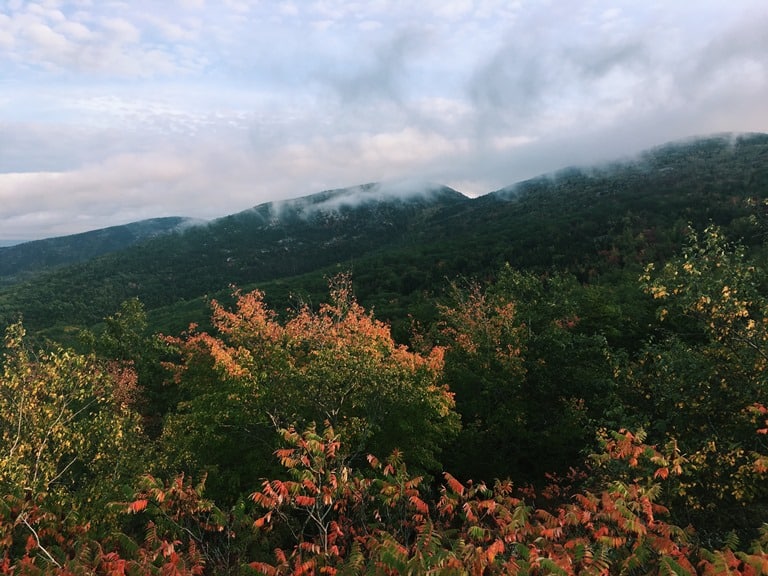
pixel 383 73
pixel 121 110
pixel 550 84
pixel 103 44
pixel 187 180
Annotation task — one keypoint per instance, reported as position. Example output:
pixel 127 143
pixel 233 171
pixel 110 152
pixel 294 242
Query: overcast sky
pixel 114 111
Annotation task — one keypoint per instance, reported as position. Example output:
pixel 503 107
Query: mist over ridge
pixel 418 189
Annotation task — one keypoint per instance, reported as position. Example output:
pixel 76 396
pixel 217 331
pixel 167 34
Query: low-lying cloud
pixel 202 109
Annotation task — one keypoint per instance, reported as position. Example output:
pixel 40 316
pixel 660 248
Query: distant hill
pixel 21 261
pixel 404 242
pixel 272 240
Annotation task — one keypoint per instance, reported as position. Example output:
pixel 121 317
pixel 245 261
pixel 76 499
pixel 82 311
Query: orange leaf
pixel 263 568
pixel 304 500
pixel 419 504
pixel 263 520
pixel 454 484
pixel 137 506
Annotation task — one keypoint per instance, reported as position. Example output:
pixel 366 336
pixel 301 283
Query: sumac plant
pixel 380 521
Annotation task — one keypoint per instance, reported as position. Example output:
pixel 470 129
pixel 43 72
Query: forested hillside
pixel 587 221
pixel 270 241
pixel 567 376
pixel 23 261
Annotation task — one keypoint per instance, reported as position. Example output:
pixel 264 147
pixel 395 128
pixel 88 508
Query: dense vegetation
pixel 23 261
pixel 590 222
pixel 589 399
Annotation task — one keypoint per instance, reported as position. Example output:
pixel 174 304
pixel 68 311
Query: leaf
pixel 137 506
pixel 419 504
pixel 263 568
pixel 260 522
pixel 454 484
pixel 301 500
pixel 662 473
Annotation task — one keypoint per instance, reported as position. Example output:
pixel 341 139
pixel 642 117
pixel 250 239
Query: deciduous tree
pixel 337 364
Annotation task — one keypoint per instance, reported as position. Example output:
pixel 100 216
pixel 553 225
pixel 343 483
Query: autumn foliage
pixel 273 457
pixel 337 364
pixel 344 521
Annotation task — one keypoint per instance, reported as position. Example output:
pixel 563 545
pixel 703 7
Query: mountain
pixel 22 261
pixel 404 242
pixel 578 216
pixel 272 240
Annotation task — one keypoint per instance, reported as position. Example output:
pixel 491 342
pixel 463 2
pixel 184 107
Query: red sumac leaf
pixel 263 568
pixel 260 522
pixel 419 504
pixel 662 473
pixel 137 505
pixel 454 484
pixel 304 500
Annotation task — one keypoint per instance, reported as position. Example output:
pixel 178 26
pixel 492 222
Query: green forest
pixel 567 376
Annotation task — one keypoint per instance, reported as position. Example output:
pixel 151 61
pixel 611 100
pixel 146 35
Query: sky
pixel 115 111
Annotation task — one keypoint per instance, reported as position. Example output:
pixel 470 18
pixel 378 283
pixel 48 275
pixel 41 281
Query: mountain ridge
pixel 585 220
pixel 21 261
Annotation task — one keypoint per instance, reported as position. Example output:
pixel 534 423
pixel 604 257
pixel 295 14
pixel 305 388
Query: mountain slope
pixel 580 217
pixel 269 241
pixel 21 261
pixel 403 243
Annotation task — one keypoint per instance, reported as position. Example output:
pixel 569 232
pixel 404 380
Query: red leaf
pixel 419 504
pixel 662 473
pixel 137 506
pixel 454 484
pixel 304 500
pixel 263 520
pixel 263 568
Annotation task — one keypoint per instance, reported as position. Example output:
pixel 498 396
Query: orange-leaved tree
pixel 336 364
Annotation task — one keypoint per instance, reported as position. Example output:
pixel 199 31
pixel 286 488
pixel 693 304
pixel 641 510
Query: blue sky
pixel 113 111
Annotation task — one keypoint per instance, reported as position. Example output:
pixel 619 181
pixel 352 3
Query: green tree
pixel 698 384
pixel 530 385
pixel 127 343
pixel 70 441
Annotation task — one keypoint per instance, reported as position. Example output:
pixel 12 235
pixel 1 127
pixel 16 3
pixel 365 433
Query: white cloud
pixel 136 109
pixel 75 30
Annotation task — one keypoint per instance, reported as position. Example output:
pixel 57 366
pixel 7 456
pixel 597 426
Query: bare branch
pixel 37 540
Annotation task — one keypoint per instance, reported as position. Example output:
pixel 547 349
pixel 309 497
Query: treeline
pixel 539 424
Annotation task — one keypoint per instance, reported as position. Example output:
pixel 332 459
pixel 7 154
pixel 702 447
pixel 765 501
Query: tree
pixel 338 364
pixel 529 383
pixel 126 343
pixel 70 441
pixel 699 383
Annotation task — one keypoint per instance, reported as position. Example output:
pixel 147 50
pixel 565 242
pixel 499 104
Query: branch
pixel 18 428
pixel 60 474
pixel 751 344
pixel 39 545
